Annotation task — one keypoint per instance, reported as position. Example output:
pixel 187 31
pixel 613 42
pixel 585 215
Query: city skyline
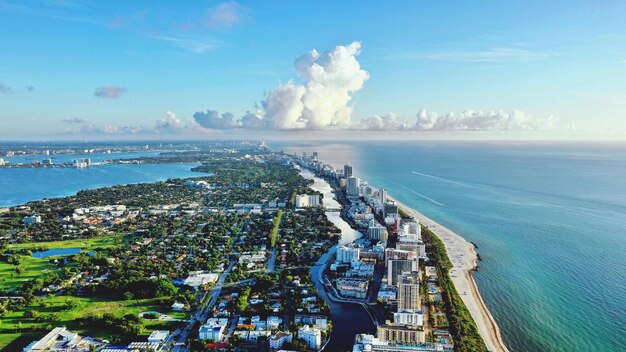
pixel 74 70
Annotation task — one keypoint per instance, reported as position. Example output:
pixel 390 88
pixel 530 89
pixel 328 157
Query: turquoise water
pixel 56 251
pixel 549 219
pixel 20 185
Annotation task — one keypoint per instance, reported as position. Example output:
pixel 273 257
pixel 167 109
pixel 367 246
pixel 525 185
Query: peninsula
pixel 418 251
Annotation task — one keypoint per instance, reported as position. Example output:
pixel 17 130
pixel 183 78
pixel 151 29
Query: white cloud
pixel 493 55
pixel 389 121
pixel 196 45
pixel 331 79
pixel 481 121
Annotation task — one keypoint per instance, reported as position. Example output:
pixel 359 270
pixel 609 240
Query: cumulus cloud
pixel 211 119
pixel 389 121
pixel 6 89
pixel 481 121
pixel 73 120
pixel 324 101
pixel 90 128
pixel 331 79
pixel 109 92
pixel 170 123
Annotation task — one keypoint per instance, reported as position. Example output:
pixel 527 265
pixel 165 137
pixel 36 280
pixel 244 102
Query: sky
pixel 324 69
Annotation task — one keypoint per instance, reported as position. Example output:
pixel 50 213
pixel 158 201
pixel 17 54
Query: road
pixel 203 311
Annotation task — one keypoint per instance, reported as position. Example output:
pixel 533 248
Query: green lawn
pixel 34 267
pixel 87 244
pixel 14 324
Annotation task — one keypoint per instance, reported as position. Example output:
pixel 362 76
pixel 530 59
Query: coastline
pixel 463 258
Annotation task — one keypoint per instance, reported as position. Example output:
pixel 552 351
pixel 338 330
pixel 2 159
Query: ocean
pixel 549 220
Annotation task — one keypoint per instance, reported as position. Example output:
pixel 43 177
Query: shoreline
pixel 463 257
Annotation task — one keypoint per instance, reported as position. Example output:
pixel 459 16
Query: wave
pixel 503 189
pixel 421 195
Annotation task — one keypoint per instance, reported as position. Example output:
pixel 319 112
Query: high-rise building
pixel 347 254
pixel 347 170
pixel 307 200
pixel 408 292
pixel 395 268
pixel 377 233
pixel 352 187
pixel 382 195
pixel 390 209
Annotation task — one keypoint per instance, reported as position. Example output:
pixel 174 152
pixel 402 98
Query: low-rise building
pixel 311 336
pixel 28 220
pixel 279 339
pixel 408 317
pixel 213 329
pixel 356 288
pixel 158 336
pixel 392 332
pixel 60 339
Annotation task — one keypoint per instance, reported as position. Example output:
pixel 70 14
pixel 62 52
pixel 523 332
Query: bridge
pixel 333 210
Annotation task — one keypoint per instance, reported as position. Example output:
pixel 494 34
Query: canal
pixel 348 319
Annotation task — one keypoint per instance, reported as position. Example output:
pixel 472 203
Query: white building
pixel 409 317
pixel 312 336
pixel 279 339
pixel 199 278
pixel 346 254
pixel 382 196
pixel 158 336
pixel 32 219
pixel 61 339
pixel 80 163
pixel 307 200
pixel 213 329
pixel 352 186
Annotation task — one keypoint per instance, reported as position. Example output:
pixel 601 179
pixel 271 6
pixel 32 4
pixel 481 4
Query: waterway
pixel 348 319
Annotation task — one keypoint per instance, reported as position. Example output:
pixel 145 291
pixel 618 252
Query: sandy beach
pixel 463 257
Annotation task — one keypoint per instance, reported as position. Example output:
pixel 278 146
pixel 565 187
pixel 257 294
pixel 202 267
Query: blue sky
pixel 83 68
